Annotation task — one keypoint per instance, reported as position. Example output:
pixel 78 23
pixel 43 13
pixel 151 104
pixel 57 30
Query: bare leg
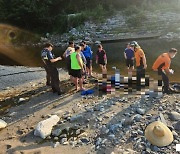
pixel 81 83
pixel 76 83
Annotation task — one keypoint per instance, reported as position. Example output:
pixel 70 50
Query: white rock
pixel 44 128
pixel 21 100
pixel 3 124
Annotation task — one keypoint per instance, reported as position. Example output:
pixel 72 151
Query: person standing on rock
pixel 88 55
pixel 162 66
pixel 66 55
pixel 129 57
pixel 141 64
pixel 77 68
pixel 101 59
pixel 49 63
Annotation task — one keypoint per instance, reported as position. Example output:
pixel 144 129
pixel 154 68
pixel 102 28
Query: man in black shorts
pixel 129 56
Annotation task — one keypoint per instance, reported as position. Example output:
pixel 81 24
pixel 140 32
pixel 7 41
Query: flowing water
pixel 30 56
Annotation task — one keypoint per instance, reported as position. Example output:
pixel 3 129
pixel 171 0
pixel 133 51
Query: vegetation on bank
pixel 59 16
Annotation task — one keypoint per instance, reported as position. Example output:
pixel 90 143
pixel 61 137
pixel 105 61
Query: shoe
pixel 59 93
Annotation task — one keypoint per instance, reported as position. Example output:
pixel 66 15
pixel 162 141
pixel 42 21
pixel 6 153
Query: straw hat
pixel 158 134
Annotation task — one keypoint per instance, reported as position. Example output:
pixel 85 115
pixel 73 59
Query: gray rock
pixel 112 136
pixel 56 138
pixel 177 126
pixel 155 148
pixel 127 122
pixel 161 108
pixel 174 116
pixel 85 140
pixel 78 131
pixel 137 117
pixel 140 132
pixel 104 130
pixel 63 136
pixel 56 144
pixel 98 141
pixel 140 111
pixel 56 132
pixel 175 134
pixel 76 118
pixel 63 140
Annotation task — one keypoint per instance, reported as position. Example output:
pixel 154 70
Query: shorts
pixel 76 73
pixel 129 62
pixel 88 62
pixel 102 63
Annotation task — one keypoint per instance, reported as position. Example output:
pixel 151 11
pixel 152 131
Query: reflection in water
pixel 9 36
pixel 152 48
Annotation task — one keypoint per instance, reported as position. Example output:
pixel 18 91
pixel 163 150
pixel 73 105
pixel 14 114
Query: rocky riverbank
pixel 158 23
pixel 84 124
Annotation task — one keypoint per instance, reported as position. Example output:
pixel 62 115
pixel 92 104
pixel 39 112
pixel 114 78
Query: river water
pixel 152 47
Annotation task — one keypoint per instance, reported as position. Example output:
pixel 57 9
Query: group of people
pixel 79 64
pixel 161 65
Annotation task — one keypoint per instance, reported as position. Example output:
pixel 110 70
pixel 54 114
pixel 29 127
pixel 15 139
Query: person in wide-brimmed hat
pixel 158 134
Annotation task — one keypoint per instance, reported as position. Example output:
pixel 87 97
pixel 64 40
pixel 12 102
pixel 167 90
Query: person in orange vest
pixel 141 64
pixel 162 66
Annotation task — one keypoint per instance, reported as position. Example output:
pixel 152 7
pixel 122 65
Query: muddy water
pixel 152 49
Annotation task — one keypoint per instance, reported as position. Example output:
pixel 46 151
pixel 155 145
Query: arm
pixel 105 57
pixel 144 59
pixel 64 54
pixel 144 62
pixel 83 58
pixel 125 55
pixel 55 59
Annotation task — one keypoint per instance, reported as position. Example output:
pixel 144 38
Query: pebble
pixel 98 141
pixel 175 134
pixel 85 140
pixel 63 140
pixel 112 136
pixel 140 111
pixel 137 117
pixel 56 132
pixel 177 126
pixel 78 132
pixel 161 108
pixel 56 144
pixel 174 116
pixel 56 138
pixel 155 148
pixel 76 118
pixel 21 100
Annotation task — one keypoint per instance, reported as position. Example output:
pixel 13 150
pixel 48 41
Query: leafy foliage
pixel 53 15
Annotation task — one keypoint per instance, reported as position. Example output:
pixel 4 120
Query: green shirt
pixel 74 62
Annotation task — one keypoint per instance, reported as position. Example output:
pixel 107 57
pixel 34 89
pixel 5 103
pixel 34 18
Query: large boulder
pixel 3 124
pixel 44 128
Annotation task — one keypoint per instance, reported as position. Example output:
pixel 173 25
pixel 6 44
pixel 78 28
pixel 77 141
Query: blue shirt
pixel 87 52
pixel 129 53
